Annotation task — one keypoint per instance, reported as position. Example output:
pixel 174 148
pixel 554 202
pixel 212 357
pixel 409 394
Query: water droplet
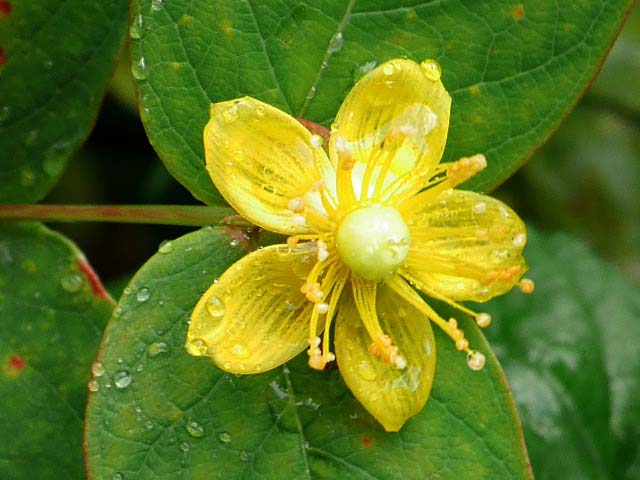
pixel 239 351
pixel 94 385
pixel 156 5
pixel 117 476
pixel 197 347
pixel 27 177
pixel 122 379
pixel 48 64
pixel 366 371
pixel 97 369
pixel 139 69
pixel 166 247
pixel 127 290
pixel 135 30
pixel 55 157
pixel 431 69
pixel 388 69
pixel 244 456
pixel 224 437
pixel 143 294
pixel 157 348
pixel 185 447
pixel 215 307
pixel 72 282
pixel 519 240
pixel 195 429
pixel 336 43
pixel 316 141
pixel 311 93
pixel 149 424
pixel 479 208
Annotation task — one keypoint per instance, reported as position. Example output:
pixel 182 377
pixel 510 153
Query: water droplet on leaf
pixel 143 294
pixel 194 429
pixel 97 369
pixel 224 437
pixel 166 247
pixel 72 282
pixel 94 385
pixel 157 348
pixel 122 379
pixel 336 42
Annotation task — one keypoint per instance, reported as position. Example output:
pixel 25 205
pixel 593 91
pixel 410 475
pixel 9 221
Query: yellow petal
pixel 262 159
pixel 255 317
pixel 390 394
pixel 464 246
pixel 396 119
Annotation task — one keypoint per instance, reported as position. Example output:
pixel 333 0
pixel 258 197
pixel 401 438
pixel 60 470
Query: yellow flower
pixel 377 214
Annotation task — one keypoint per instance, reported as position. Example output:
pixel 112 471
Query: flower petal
pixel 397 114
pixel 464 246
pixel 261 159
pixel 390 394
pixel 255 317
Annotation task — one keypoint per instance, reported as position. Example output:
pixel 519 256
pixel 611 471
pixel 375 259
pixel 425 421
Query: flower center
pixel 373 242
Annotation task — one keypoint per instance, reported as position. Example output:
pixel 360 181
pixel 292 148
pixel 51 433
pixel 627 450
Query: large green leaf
pixel 159 411
pixel 571 355
pixel 52 313
pixel 514 69
pixel 59 55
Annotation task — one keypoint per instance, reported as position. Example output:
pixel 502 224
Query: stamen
pixel 527 286
pixel 292 242
pixel 462 344
pixel 475 360
pixel 384 348
pixel 465 168
pixel 323 252
pixel 483 320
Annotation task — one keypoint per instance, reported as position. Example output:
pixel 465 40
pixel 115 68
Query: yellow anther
pixel 527 286
pixel 462 344
pixel 483 320
pixel 299 220
pixel 292 242
pixel 384 348
pixel 465 168
pixel 453 323
pixel 317 362
pixel 319 185
pixel 323 252
pixel 475 360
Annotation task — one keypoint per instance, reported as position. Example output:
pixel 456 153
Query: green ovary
pixel 373 242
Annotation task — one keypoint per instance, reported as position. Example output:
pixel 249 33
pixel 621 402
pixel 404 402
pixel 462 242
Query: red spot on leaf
pixel 5 8
pixel 517 12
pixel 3 58
pixel 17 362
pixel 366 442
pixel 94 281
pixel 316 129
pixel 14 366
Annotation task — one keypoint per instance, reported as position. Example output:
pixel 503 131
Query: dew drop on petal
pixel 215 307
pixel 366 371
pixel 122 379
pixel 431 69
pixel 479 208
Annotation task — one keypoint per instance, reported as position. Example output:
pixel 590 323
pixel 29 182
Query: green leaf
pixel 571 354
pixel 59 56
pixel 514 69
pixel 52 313
pixel 159 410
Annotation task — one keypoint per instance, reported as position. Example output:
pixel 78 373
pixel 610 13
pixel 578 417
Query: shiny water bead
pixel 431 70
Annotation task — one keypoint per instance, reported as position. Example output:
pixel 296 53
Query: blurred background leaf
pixel 52 316
pixel 56 58
pixel 570 352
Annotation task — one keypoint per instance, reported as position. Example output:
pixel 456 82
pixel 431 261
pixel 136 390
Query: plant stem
pixel 186 215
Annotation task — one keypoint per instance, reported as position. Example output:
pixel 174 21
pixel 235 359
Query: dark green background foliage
pixel 514 70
